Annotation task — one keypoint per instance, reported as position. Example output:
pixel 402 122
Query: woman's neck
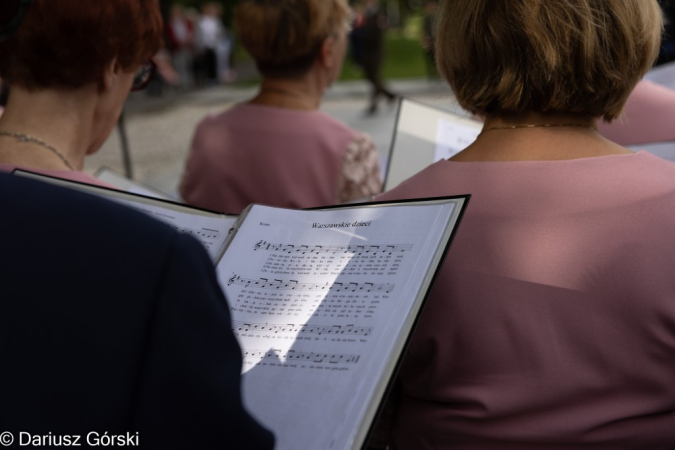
pixel 535 119
pixel 61 119
pixel 301 94
pixel 538 137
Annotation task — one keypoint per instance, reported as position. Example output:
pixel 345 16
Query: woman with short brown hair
pixel 71 65
pixel 551 325
pixel 578 57
pixel 278 149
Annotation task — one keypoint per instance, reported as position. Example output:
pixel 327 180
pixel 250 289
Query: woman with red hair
pixel 71 65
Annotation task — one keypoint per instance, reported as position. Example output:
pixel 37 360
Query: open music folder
pixel 323 304
pixel 208 227
pixel 108 175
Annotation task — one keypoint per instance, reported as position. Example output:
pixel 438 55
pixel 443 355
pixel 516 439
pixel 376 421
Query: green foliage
pixel 404 58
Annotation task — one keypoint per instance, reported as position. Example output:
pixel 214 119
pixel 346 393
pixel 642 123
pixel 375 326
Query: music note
pixel 264 283
pixel 351 330
pixel 317 249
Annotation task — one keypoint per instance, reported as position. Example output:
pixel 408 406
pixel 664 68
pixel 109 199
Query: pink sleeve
pixel 648 117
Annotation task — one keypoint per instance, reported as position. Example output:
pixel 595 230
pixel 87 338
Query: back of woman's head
pixel 285 36
pixel 67 44
pixel 573 56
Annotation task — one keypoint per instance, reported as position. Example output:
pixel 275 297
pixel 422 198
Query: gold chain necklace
pixel 22 137
pixel 541 125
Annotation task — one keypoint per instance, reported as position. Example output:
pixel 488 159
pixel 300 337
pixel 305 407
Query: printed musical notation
pixel 340 330
pixel 203 233
pixel 292 355
pixel 316 249
pixel 264 283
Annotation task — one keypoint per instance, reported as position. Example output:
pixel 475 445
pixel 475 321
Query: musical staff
pixel 317 249
pixel 294 285
pixel 204 233
pixel 293 355
pixel 334 330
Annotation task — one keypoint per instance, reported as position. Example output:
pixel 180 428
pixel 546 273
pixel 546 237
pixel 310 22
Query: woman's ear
pixel 327 53
pixel 111 74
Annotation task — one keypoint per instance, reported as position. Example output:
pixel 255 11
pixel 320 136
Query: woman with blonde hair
pixel 552 323
pixel 278 149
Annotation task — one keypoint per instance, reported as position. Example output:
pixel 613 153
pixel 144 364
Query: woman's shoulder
pixel 217 120
pixel 336 125
pixel 247 115
pixel 641 174
pixel 429 182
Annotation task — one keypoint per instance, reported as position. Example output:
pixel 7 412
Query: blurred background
pixel 158 123
pixel 204 70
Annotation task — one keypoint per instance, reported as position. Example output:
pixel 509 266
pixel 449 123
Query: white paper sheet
pixel 452 138
pixel 318 299
pixel 127 185
pixel 210 231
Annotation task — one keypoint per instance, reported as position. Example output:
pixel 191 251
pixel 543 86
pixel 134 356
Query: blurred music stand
pixel 126 153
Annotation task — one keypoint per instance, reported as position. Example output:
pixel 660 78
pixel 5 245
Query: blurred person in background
pixel 278 149
pixel 210 32
pixel 223 51
pixel 372 35
pixel 180 41
pixel 552 322
pixel 429 30
pixel 71 67
pixel 356 34
pixel 648 117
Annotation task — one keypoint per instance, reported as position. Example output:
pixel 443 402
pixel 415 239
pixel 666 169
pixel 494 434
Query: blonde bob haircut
pixel 567 56
pixel 285 36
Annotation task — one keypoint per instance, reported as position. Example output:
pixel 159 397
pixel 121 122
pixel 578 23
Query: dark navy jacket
pixel 111 322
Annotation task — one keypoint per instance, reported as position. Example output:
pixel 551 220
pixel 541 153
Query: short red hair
pixel 67 44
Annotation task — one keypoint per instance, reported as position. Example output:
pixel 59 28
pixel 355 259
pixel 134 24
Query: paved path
pixel 160 129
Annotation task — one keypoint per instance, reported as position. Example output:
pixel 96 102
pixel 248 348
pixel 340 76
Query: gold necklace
pixel 22 137
pixel 540 125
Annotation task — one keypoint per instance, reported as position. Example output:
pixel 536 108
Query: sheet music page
pixel 210 231
pixel 318 299
pixel 452 138
pixel 127 185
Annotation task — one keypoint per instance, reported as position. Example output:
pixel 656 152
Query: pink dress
pixel 63 174
pixel 552 323
pixel 649 116
pixel 277 157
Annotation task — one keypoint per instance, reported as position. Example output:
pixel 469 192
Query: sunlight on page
pixel 318 299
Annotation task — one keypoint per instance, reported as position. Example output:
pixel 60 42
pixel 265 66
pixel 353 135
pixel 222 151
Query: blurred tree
pixel 400 8
pixel 228 7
